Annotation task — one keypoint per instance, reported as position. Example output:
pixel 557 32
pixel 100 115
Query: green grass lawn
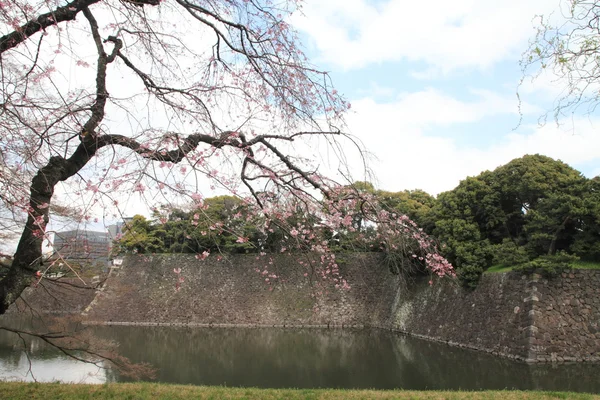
pixel 576 265
pixel 498 268
pixel 154 391
pixel 586 265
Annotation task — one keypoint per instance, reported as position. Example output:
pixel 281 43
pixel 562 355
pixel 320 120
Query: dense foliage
pixel 533 206
pixel 214 227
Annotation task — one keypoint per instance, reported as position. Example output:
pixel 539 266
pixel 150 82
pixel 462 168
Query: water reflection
pixel 301 358
pixel 58 369
pixel 310 358
pixel 27 358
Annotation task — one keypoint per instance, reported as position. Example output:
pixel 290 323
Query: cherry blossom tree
pixel 102 99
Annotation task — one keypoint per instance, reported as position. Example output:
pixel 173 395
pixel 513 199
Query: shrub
pixel 469 275
pixel 509 254
pixel 548 266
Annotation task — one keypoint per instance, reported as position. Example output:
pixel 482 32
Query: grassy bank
pixel 586 265
pixel 29 391
pixel 576 265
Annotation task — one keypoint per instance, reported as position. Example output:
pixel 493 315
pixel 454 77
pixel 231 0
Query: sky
pixel 433 87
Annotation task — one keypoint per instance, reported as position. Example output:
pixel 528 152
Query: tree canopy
pixel 530 207
pixel 213 228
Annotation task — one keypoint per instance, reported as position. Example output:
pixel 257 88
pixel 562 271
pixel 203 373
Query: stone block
pixel 534 313
pixel 531 330
pixel 547 337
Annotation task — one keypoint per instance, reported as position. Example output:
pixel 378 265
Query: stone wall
pixel 491 318
pixel 231 291
pixel 526 318
pixel 523 317
pixel 56 296
pixel 565 316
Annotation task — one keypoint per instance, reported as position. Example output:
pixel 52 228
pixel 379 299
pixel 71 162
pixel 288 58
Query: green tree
pixel 139 237
pixel 461 223
pixel 586 243
pixel 541 201
pixel 218 224
pixel 416 204
pixel 532 206
pixel 212 226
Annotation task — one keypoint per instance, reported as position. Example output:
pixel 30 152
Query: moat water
pixel 297 358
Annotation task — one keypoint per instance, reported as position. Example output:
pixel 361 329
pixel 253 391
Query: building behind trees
pixel 82 245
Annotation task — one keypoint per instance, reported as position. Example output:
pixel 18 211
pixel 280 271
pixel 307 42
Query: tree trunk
pixel 28 256
pixel 552 248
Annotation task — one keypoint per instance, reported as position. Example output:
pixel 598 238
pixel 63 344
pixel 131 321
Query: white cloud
pixel 408 159
pixel 433 107
pixel 445 35
pixel 377 90
pixel 427 74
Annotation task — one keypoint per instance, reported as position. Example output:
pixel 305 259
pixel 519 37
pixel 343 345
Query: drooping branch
pixel 270 57
pixel 566 51
pixel 58 169
pixel 86 348
pixel 159 90
pixel 293 167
